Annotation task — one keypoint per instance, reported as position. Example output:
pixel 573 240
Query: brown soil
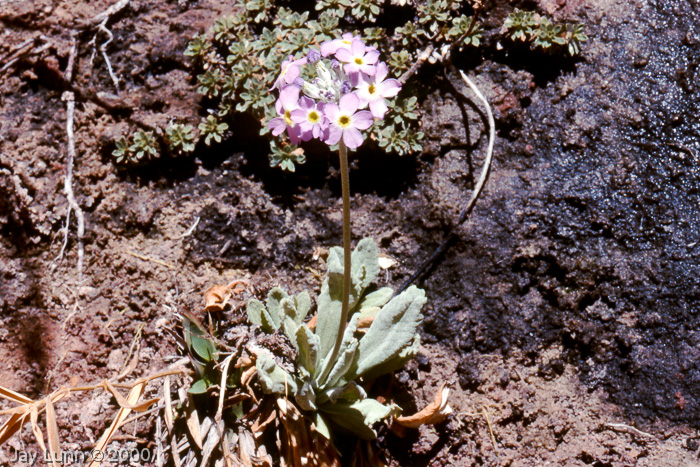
pixel 563 317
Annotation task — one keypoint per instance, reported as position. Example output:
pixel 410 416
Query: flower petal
pixel 349 103
pixel 378 108
pixel 372 57
pixel 352 137
pixel 344 55
pixel 358 47
pixel 362 119
pixel 390 88
pixel 334 134
pixel 382 71
pixel 289 97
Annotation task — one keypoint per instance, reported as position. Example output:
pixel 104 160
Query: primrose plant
pixel 334 94
pixel 326 383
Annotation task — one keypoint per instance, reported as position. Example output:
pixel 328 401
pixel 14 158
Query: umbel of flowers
pixel 345 89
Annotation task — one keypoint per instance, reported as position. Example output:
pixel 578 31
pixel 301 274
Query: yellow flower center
pixel 371 89
pixel 288 117
pixel 344 121
pixel 359 61
pixel 313 117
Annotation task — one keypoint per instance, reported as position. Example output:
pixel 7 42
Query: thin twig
pixel 148 258
pixel 627 429
pixel 485 170
pixel 69 98
pixel 191 229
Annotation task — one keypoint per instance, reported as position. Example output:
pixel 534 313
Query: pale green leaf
pixel 397 362
pixel 273 303
pixel 306 397
pixel 357 417
pixel 392 331
pixel 303 303
pixel 254 310
pixel 372 303
pixel 365 264
pixel 321 425
pixel 351 392
pixel 307 346
pixel 273 379
pixel 345 357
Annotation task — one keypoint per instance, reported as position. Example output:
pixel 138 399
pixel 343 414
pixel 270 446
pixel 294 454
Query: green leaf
pixel 254 311
pixel 196 340
pixel 306 397
pixel 345 358
pixel 397 362
pixel 198 387
pixel 391 332
pixel 273 379
pixel 372 303
pixel 321 425
pixel 329 303
pixel 307 346
pixel 357 417
pixel 365 263
pixel 303 304
pixel 273 303
pixel 364 268
pixel 351 392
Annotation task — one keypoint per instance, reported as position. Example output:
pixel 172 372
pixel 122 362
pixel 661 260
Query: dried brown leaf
pixel 433 413
pixel 312 322
pixel 216 298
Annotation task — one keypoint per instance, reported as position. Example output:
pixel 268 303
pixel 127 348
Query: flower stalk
pixel 347 266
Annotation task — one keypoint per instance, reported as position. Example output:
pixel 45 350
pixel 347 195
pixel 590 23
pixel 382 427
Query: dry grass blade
pixel 193 424
pixel 34 418
pixel 13 396
pixel 222 390
pixel 123 412
pixel 168 409
pixel 12 425
pixel 125 404
pixel 52 430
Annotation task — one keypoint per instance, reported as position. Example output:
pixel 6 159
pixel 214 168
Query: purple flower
pixel 372 90
pixel 285 105
pixel 310 118
pixel 346 122
pixel 290 72
pixel 358 58
pixel 313 56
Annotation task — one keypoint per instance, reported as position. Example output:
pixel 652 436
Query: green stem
pixel 345 188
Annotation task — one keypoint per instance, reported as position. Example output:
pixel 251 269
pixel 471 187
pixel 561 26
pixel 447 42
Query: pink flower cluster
pixel 349 79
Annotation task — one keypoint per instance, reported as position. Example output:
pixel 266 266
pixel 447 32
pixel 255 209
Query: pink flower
pixel 358 57
pixel 372 90
pixel 331 47
pixel 285 105
pixel 310 118
pixel 346 122
pixel 290 71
